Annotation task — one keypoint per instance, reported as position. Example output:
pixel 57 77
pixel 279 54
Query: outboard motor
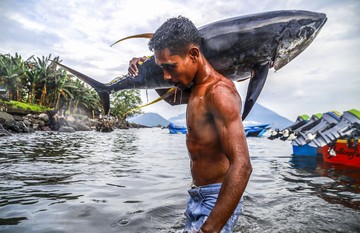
pixel 314 120
pixel 328 120
pixel 300 121
pixel 349 122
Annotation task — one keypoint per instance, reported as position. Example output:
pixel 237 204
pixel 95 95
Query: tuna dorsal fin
pixel 256 84
pixel 143 35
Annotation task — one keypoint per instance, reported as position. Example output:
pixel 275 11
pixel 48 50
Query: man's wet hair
pixel 176 34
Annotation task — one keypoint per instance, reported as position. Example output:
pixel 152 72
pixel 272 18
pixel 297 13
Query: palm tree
pixel 60 89
pixel 84 98
pixel 125 103
pixel 12 69
pixel 42 72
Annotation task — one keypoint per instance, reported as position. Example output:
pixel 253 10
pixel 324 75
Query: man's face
pixel 178 70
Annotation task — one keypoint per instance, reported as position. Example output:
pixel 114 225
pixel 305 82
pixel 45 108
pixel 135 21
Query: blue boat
pixel 256 130
pixel 306 150
pixel 250 131
pixel 174 129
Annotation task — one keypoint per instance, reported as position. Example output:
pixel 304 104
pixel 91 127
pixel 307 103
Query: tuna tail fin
pixel 100 88
pixel 255 87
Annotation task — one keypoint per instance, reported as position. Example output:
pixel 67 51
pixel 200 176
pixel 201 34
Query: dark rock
pixel 44 117
pixel 13 128
pixel 67 129
pixel 18 118
pixel 73 125
pixel 41 124
pixel 46 128
pixel 27 122
pixel 22 127
pixel 82 126
pixel 3 132
pixel 7 118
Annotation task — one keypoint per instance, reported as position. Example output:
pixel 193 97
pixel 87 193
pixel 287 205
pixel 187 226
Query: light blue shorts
pixel 201 201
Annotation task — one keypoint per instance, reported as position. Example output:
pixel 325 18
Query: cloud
pixel 325 76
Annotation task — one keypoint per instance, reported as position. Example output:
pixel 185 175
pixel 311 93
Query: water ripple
pixel 136 181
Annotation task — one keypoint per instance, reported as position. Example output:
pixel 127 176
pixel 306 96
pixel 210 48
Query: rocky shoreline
pixel 11 123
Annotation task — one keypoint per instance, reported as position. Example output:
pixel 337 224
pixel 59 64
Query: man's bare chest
pixel 197 114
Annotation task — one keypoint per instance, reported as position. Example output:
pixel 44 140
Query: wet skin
pixel 215 140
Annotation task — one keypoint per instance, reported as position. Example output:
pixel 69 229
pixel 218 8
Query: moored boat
pixel 349 122
pixel 256 130
pixel 306 150
pixel 346 152
pixel 175 129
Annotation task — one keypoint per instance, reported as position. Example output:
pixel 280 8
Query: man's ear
pixel 194 53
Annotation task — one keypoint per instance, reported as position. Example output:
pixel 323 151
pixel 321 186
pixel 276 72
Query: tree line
pixel 40 81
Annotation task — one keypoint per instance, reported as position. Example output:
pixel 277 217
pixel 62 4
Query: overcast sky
pixel 325 77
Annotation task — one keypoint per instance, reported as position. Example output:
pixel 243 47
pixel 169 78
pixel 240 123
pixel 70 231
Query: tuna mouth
pixel 179 86
pixel 173 84
pixel 323 22
pixel 289 49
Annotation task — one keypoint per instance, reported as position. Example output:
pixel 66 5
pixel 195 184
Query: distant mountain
pixel 261 114
pixel 149 119
pixel 179 120
pixel 258 115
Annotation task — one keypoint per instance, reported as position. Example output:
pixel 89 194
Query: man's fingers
pixel 133 70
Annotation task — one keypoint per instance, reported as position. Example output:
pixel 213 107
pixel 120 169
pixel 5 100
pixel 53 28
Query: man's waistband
pixel 200 192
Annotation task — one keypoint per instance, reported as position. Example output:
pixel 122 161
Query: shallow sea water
pixel 137 180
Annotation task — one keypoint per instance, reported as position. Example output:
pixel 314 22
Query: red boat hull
pixel 343 153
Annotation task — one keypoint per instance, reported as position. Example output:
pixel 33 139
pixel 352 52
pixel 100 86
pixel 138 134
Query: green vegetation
pixel 38 84
pixel 21 105
pixel 125 101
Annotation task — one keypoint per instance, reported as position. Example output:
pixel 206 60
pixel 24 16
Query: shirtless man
pixel 216 142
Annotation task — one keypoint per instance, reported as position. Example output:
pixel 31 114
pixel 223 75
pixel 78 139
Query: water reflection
pixel 297 194
pixel 34 171
pixel 136 181
pixel 335 183
pixel 126 143
pixel 52 148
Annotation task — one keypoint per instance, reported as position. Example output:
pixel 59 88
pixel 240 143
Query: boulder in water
pixel 66 129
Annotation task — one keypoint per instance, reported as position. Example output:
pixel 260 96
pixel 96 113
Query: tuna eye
pixel 305 32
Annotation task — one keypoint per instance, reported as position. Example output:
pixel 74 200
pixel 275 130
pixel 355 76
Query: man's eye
pixel 168 68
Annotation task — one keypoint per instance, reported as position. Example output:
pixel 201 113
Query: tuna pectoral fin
pixel 256 84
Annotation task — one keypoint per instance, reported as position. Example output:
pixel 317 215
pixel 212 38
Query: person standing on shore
pixel 216 142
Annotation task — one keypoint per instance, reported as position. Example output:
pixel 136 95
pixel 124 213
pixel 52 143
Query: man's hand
pixel 133 70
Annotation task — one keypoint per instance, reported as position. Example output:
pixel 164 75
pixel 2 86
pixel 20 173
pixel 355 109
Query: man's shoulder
pixel 220 87
pixel 222 95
